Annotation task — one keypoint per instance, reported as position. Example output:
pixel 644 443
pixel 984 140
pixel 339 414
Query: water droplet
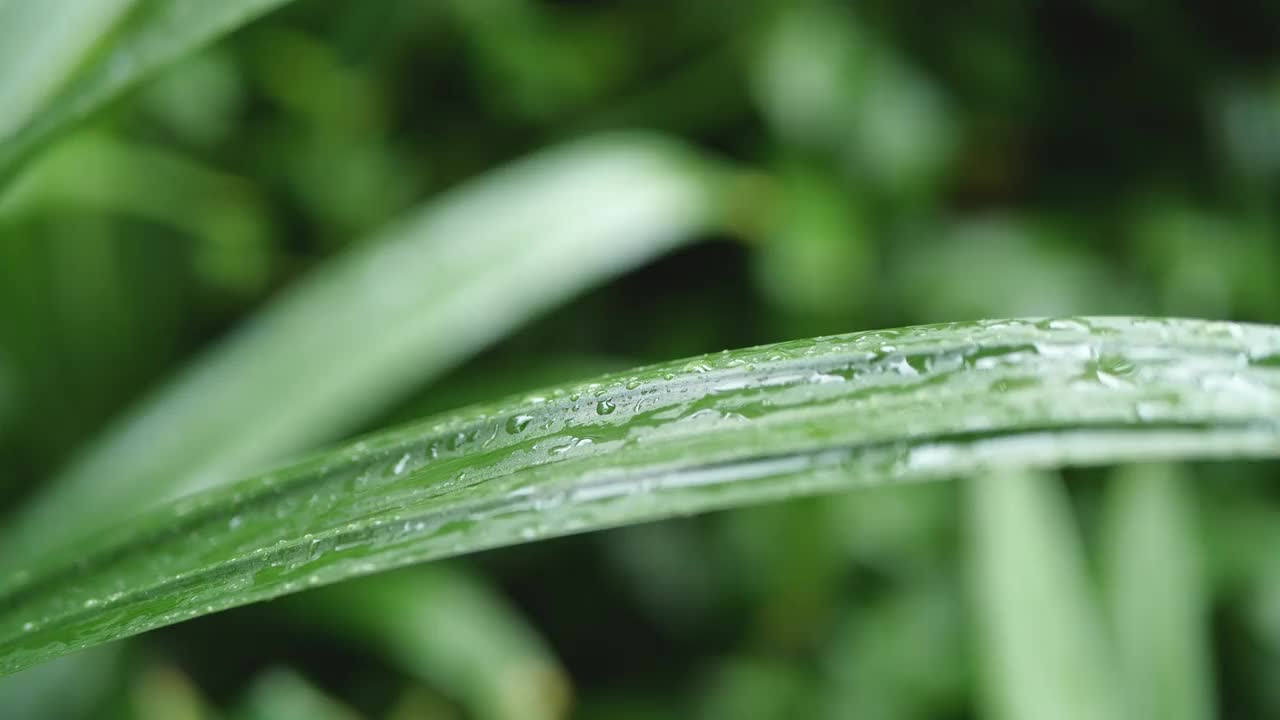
pixel 235 522
pixel 1110 370
pixel 516 424
pixel 633 383
pixel 91 602
pixel 605 407
pixel 561 448
pixel 1070 324
pixel 318 548
pixel 820 378
pixel 28 626
pixel 401 464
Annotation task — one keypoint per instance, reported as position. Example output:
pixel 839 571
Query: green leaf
pixel 41 43
pixel 717 431
pixel 1041 636
pixel 69 687
pixel 1156 594
pixel 447 629
pixel 156 34
pixel 282 694
pixel 398 309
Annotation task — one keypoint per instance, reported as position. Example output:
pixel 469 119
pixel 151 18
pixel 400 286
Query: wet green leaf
pixel 360 331
pixel 717 431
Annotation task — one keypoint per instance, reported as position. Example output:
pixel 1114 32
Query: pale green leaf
pixel 41 43
pixel 156 34
pixel 1041 636
pixel 449 630
pixel 1157 597
pixel 281 694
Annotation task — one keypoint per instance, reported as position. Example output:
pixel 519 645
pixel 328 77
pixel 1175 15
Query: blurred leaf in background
pixel 1042 640
pixel 42 44
pixel 1154 582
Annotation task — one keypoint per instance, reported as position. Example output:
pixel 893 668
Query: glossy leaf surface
pixel 717 431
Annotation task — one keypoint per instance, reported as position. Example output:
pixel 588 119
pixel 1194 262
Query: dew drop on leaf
pixel 517 423
pixel 401 464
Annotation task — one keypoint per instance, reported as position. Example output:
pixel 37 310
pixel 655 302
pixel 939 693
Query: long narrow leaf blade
pixel 718 431
pixel 1042 637
pixel 282 694
pixel 400 308
pixel 161 32
pixel 447 629
pixel 40 44
pixel 1157 596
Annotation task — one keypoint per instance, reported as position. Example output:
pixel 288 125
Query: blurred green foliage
pixel 896 163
